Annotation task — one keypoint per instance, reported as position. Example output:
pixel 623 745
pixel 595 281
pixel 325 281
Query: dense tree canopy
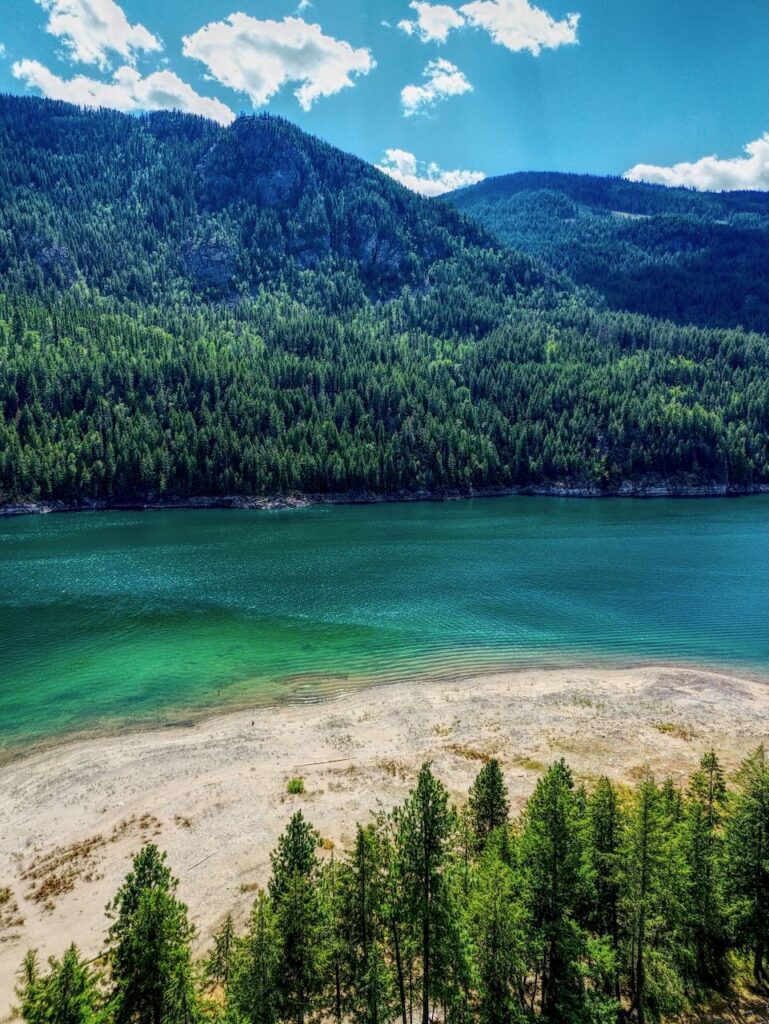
pixel 192 310
pixel 594 907
pixel 687 256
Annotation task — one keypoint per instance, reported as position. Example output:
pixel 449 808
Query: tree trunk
pixel 758 962
pixel 399 971
pixel 425 970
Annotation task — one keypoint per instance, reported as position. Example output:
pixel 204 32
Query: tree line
pixel 277 395
pixel 593 906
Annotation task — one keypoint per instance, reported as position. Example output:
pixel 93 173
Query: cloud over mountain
pixel 442 80
pixel 91 30
pixel 711 173
pixel 426 178
pixel 258 57
pixel 128 91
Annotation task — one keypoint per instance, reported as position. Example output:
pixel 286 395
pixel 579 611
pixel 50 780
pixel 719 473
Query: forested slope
pixel 192 310
pixel 688 256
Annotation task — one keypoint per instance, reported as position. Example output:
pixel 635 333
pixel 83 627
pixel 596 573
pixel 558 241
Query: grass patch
pixel 9 911
pixel 680 732
pixel 469 753
pixel 530 764
pixel 295 786
pixel 56 872
pixel 395 769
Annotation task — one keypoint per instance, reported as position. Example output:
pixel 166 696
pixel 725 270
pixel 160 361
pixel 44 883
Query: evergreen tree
pixel 654 984
pixel 295 854
pixel 68 994
pixel 149 947
pixel 746 862
pixel 294 890
pixel 707 926
pixel 604 838
pixel 218 966
pixel 425 823
pixel 252 991
pixel 498 940
pixel 552 864
pixel 369 980
pixel 488 803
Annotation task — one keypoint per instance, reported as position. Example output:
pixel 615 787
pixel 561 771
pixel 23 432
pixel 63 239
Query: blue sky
pixel 436 93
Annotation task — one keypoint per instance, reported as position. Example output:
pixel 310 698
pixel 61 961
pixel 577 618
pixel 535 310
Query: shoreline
pixel 628 489
pixel 214 792
pixel 191 717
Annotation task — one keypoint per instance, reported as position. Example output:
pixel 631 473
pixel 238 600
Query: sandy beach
pixel 214 794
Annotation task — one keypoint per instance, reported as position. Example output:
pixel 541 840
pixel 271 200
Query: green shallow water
pixel 117 618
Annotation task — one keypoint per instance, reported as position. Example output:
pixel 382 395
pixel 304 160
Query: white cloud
pixel 712 174
pixel 128 91
pixel 259 57
pixel 442 79
pixel 2 50
pixel 427 179
pixel 91 29
pixel 518 25
pixel 433 21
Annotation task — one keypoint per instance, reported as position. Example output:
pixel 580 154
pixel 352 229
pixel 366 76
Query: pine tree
pixel 218 965
pixel 68 994
pixel 552 865
pixel 497 940
pixel 252 991
pixel 654 985
pixel 604 837
pixel 746 862
pixel 149 947
pixel 368 978
pixel 296 854
pixel 488 802
pixel 425 823
pixel 294 890
pixel 702 839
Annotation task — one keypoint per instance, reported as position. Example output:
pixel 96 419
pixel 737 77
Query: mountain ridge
pixel 191 311
pixel 674 253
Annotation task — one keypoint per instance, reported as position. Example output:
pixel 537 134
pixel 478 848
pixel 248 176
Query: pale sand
pixel 214 794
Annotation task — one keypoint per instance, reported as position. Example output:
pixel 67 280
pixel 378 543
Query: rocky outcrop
pixel 256 162
pixel 54 259
pixel 211 263
pixel 291 501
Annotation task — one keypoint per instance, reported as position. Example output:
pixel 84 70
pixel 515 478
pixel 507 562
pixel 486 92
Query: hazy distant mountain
pixel 693 257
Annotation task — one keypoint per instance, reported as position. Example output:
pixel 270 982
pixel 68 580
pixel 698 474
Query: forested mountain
pixel 688 256
pixel 187 309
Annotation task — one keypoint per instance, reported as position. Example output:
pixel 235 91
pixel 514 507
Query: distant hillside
pixel 688 256
pixel 138 206
pixel 187 309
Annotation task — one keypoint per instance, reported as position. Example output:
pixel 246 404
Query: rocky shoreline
pixel 628 489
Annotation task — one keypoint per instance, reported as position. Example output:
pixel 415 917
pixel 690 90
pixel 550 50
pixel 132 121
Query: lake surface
pixel 119 617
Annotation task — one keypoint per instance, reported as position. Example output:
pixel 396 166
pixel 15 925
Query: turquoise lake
pixel 120 618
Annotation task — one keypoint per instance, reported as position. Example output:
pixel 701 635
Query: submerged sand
pixel 213 794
